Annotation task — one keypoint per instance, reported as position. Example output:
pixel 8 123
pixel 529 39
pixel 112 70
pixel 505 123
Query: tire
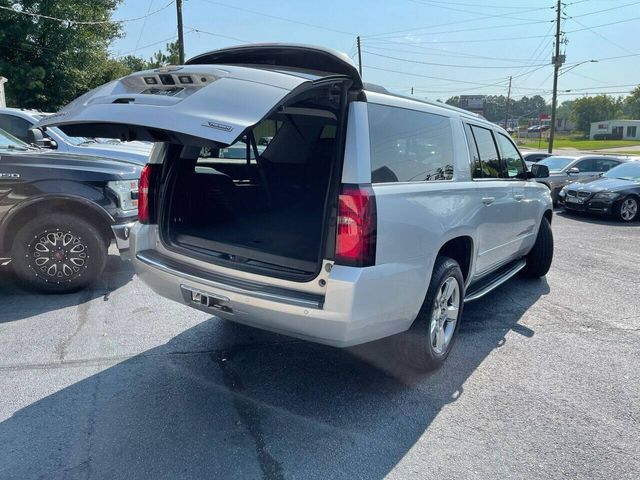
pixel 541 255
pixel 628 209
pixel 58 253
pixel 437 322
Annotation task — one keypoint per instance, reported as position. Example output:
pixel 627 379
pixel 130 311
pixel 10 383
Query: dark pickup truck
pixel 60 212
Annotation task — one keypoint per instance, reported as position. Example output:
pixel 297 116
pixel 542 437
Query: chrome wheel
pixel 628 209
pixel 57 256
pixel 444 315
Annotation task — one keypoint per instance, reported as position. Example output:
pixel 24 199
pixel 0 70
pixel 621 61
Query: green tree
pixel 160 58
pixel 49 63
pixel 632 104
pixel 593 109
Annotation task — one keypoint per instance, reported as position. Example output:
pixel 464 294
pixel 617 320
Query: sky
pixel 439 48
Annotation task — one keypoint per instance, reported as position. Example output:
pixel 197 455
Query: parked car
pixel 616 192
pixel 19 123
pixel 565 169
pixel 533 157
pixel 365 208
pixel 59 212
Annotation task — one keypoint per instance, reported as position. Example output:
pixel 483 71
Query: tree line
pixel 583 111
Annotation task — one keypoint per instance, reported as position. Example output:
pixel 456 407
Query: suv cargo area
pixel 261 202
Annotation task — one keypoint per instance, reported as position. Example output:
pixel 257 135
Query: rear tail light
pixel 357 224
pixel 146 198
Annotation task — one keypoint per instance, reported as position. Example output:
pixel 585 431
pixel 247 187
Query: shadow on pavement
pixel 18 303
pixel 595 219
pixel 268 407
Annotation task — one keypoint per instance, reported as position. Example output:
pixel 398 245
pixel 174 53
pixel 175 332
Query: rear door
pixel 495 198
pixel 526 207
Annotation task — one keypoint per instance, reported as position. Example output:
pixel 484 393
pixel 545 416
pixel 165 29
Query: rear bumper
pixel 359 304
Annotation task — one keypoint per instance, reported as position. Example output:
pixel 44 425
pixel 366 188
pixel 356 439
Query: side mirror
pixel 573 171
pixel 37 137
pixel 539 171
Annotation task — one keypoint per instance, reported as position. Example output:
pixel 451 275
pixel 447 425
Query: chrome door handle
pixel 518 196
pixel 488 200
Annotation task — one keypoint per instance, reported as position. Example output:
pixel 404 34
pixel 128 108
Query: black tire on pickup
pixel 58 253
pixel 541 255
pixel 417 346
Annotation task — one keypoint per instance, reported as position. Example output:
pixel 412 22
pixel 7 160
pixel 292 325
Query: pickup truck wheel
pixel 540 257
pixel 426 345
pixel 59 253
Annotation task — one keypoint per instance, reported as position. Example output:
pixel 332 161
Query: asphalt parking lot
pixel 116 382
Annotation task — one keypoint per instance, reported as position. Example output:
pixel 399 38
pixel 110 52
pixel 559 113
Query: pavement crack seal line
pixel 249 416
pixel 83 316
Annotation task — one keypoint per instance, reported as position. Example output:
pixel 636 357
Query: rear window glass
pixel 409 146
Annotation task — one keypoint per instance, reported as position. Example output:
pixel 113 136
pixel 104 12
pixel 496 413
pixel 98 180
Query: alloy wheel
pixel 57 256
pixel 444 316
pixel 628 209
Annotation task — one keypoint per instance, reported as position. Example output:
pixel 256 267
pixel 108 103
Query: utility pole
pixel 359 55
pixel 411 90
pixel 506 116
pixel 180 32
pixel 557 61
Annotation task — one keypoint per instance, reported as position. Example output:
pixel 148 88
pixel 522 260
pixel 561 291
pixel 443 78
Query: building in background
pixel 615 130
pixel 473 103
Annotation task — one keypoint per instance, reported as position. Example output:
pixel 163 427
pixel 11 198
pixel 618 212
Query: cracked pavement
pixel 116 382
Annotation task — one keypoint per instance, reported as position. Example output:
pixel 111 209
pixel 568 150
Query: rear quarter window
pixel 409 146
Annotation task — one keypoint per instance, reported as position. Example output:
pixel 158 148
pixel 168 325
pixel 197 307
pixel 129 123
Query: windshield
pixel 8 141
pixel 556 164
pixel 626 171
pixel 71 140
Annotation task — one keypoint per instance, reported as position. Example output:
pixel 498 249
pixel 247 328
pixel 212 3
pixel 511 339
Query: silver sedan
pixel 566 169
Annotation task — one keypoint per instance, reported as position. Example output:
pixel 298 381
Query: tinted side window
pixel 605 164
pixel 16 126
pixel 587 165
pixel 513 164
pixel 476 168
pixel 409 146
pixel 489 160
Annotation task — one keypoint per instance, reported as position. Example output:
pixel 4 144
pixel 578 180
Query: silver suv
pixel 366 215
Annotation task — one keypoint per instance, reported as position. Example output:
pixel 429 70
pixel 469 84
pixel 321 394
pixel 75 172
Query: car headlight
pixel 563 192
pixel 607 195
pixel 127 193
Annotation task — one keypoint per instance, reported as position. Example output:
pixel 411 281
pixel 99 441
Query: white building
pixel 624 129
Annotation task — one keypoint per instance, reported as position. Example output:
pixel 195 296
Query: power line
pixel 502 39
pixel 83 22
pixel 448 64
pixel 284 19
pixel 473 12
pixel 447 24
pixel 144 24
pixel 431 77
pixel 198 30
pixel 444 53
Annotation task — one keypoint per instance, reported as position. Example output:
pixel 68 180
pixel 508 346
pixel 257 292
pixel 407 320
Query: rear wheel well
pixel 46 207
pixel 460 250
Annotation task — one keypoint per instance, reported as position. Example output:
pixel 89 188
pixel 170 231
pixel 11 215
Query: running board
pixel 494 280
